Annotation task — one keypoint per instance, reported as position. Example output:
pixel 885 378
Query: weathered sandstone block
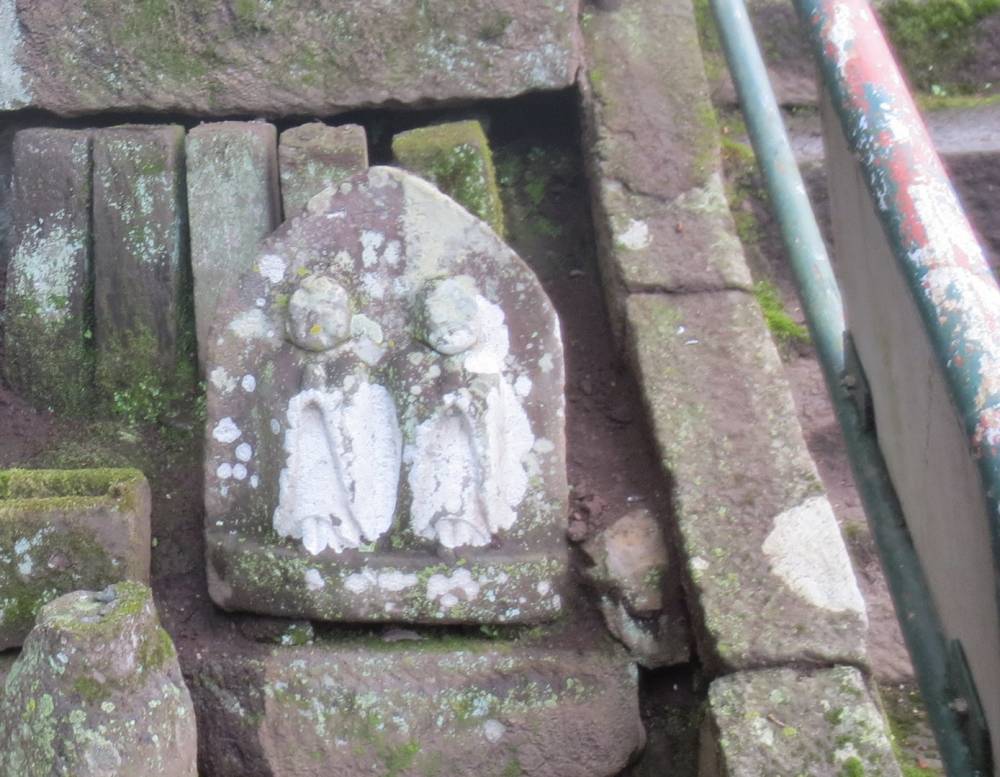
pixel 142 288
pixel 63 530
pixel 97 692
pixel 789 722
pixel 314 156
pixel 232 204
pixel 413 707
pixel 770 581
pixel 456 158
pixel 49 356
pixel 297 57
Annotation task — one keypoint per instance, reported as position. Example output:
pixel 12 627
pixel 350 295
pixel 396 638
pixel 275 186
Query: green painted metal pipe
pixel 821 302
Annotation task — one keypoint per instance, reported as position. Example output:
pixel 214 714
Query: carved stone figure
pixel 385 435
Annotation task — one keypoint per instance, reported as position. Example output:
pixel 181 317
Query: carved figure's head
pixel 447 315
pixel 319 314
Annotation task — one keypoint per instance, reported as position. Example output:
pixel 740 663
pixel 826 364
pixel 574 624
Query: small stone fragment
pixel 314 156
pixel 630 559
pixel 63 530
pixel 663 639
pixel 233 203
pixel 456 158
pixel 49 355
pixel 142 288
pixel 97 692
pixel 792 722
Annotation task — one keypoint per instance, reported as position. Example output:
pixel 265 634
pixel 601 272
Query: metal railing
pixel 914 368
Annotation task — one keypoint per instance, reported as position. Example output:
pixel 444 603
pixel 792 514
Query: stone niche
pixel 385 435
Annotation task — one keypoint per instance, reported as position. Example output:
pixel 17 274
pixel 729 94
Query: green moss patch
pixel 783 327
pixel 935 37
pixel 456 158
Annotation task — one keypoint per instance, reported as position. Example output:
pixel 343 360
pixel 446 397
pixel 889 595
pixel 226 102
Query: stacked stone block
pixel 313 156
pixel 456 158
pixel 232 202
pixel 142 286
pixel 62 530
pixel 48 325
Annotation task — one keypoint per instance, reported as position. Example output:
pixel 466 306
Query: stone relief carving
pixel 466 463
pixel 386 397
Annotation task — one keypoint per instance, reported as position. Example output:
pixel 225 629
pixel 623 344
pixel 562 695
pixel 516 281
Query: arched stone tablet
pixel 385 433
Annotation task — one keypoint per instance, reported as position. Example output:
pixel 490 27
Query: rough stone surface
pixel 630 571
pixel 315 155
pixel 268 59
pixel 655 641
pixel 456 158
pixel 409 708
pixel 770 581
pixel 47 322
pixel 630 558
pixel 789 722
pixel 97 692
pixel 63 530
pixel 232 203
pixel 143 320
pixel 385 433
pixel 651 145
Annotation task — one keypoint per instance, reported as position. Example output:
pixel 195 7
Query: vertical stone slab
pixel 142 294
pixel 48 328
pixel 313 156
pixel 64 530
pixel 232 191
pixel 456 158
pixel 385 434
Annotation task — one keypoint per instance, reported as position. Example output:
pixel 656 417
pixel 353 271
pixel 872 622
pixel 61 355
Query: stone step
pixel 411 706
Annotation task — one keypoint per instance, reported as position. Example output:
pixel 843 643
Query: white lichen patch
pixel 314 580
pixel 251 325
pixel 226 431
pixel 248 383
pixel 343 448
pixel 391 581
pixel 467 467
pixel 13 89
pixel 807 553
pixel 494 730
pixel 459 587
pixel 222 380
pixel 635 236
pixel 44 269
pixel 272 267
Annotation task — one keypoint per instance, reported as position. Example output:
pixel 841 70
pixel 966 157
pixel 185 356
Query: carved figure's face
pixel 448 314
pixel 319 314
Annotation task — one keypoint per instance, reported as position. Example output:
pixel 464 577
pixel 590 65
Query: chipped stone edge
pixel 844 727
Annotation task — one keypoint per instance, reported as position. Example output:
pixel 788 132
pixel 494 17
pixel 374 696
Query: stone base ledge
pixel 447 706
